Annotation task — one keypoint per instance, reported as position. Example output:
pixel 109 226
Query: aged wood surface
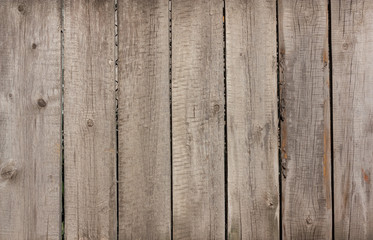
pixel 253 204
pixel 305 119
pixel 30 120
pixel 89 113
pixel 198 119
pixel 144 120
pixel 352 49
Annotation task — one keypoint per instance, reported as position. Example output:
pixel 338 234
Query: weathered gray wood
pixel 89 113
pixel 253 201
pixel 198 119
pixel 305 114
pixel 352 49
pixel 30 119
pixel 144 120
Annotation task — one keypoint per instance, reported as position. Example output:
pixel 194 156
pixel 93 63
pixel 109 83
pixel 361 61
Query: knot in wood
pixel 345 46
pixel 8 171
pixel 41 103
pixel 21 8
pixel 216 108
pixel 90 123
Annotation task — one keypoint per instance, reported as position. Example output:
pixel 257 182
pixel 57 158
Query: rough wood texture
pixel 198 119
pixel 30 120
pixel 144 120
pixel 305 116
pixel 253 204
pixel 89 108
pixel 352 49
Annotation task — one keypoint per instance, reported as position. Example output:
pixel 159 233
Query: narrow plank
pixel 30 119
pixel 89 115
pixel 144 120
pixel 305 119
pixel 198 119
pixel 252 118
pixel 352 49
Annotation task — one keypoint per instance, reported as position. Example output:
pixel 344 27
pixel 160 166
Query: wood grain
pixel 144 120
pixel 198 119
pixel 89 113
pixel 305 115
pixel 30 119
pixel 252 118
pixel 352 49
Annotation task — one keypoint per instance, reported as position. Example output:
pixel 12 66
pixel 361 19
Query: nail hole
pixel 34 46
pixel 8 171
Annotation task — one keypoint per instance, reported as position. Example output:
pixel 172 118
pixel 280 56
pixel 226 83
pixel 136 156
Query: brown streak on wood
pixel 325 55
pixel 365 176
pixel 326 162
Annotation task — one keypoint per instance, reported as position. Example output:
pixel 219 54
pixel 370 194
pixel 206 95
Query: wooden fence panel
pixel 144 120
pixel 252 118
pixel 352 49
pixel 198 119
pixel 89 113
pixel 305 116
pixel 30 119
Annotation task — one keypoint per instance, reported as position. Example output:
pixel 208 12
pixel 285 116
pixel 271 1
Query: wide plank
pixel 144 120
pixel 198 119
pixel 305 119
pixel 89 120
pixel 352 52
pixel 252 118
pixel 30 119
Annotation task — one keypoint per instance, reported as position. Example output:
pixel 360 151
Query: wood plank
pixel 198 119
pixel 144 120
pixel 30 119
pixel 305 115
pixel 352 49
pixel 252 118
pixel 89 115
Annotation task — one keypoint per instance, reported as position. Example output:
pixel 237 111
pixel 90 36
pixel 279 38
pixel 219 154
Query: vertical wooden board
pixel 89 115
pixel 352 49
pixel 144 120
pixel 30 119
pixel 198 119
pixel 252 118
pixel 305 119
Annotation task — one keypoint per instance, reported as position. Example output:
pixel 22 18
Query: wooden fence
pixel 186 119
